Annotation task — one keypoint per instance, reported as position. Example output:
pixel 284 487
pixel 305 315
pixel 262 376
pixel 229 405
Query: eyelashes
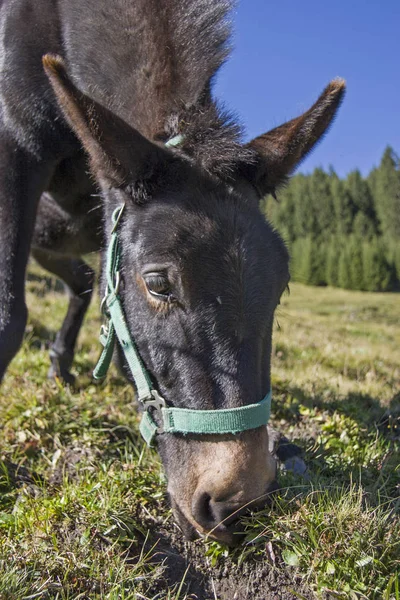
pixel 159 287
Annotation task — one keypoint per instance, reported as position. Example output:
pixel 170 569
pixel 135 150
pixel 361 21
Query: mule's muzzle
pixel 219 519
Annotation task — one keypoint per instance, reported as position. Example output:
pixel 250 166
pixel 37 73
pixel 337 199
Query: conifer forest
pixel 343 232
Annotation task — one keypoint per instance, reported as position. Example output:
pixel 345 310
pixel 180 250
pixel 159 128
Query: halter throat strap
pixel 172 420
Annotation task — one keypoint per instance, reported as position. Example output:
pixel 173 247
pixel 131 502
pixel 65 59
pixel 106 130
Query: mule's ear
pixel 282 149
pixel 118 153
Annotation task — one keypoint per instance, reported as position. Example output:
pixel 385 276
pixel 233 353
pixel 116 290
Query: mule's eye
pixel 158 285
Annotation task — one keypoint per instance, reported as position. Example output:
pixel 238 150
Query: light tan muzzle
pixel 218 478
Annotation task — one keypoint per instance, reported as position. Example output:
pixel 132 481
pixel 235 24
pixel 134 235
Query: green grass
pixel 82 501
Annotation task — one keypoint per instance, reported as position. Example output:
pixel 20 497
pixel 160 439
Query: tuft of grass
pixel 342 541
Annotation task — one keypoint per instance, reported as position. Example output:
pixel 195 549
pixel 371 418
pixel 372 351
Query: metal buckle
pixel 104 332
pixel 157 402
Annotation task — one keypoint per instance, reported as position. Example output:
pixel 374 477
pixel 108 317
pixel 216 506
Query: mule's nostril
pixel 219 516
pixel 202 511
pixel 210 513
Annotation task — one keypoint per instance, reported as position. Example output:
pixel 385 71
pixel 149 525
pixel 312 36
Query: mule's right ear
pixel 118 153
pixel 279 151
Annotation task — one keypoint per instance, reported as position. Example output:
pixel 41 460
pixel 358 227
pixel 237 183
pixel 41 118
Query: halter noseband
pixel 173 420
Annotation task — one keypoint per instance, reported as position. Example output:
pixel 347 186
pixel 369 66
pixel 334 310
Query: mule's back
pixel 149 61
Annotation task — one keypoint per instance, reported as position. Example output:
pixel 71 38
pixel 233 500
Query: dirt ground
pixel 186 561
pixel 250 581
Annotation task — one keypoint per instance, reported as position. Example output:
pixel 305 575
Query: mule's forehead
pixel 224 233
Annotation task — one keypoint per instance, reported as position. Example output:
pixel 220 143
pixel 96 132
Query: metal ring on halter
pixel 110 295
pixel 121 210
pixel 157 403
pixel 103 305
pixel 104 330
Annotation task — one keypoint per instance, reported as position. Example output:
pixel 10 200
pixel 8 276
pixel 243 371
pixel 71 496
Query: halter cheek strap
pixel 173 420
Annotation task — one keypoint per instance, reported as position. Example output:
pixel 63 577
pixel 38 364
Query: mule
pixel 201 270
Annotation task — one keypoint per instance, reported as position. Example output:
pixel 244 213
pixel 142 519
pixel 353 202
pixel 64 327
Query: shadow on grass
pixel 12 478
pixel 348 439
pixel 45 283
pixel 362 408
pixel 38 335
pixel 179 571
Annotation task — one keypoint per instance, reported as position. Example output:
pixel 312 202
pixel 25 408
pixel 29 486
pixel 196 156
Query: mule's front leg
pixel 22 180
pixel 78 278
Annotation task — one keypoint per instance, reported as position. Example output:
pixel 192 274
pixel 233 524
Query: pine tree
pixel 355 258
pixel 392 255
pixel 344 208
pixel 332 261
pixel 387 194
pixel 361 194
pixel 321 203
pixel 301 260
pixel 377 271
pixel 305 214
pixel 396 265
pixel 344 277
pixel 363 226
pixel 318 252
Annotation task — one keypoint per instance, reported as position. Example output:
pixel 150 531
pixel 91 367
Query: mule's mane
pixel 200 33
pixel 212 138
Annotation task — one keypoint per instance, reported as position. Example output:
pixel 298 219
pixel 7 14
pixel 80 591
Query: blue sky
pixel 285 52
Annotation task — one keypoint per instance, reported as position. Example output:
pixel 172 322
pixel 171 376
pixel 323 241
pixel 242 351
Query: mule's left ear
pixel 282 149
pixel 118 153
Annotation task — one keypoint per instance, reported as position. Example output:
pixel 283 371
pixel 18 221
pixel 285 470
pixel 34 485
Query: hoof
pixel 57 371
pixel 296 465
pixel 288 454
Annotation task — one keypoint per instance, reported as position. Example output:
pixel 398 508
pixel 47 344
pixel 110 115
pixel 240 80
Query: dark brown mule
pixel 202 272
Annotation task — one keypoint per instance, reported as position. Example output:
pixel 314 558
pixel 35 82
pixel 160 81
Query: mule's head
pixel 202 274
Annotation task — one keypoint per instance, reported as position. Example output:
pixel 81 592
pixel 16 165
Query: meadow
pixel 83 510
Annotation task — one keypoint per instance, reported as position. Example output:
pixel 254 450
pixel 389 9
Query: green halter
pixel 173 420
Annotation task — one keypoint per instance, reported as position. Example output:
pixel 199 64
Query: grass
pixel 82 501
